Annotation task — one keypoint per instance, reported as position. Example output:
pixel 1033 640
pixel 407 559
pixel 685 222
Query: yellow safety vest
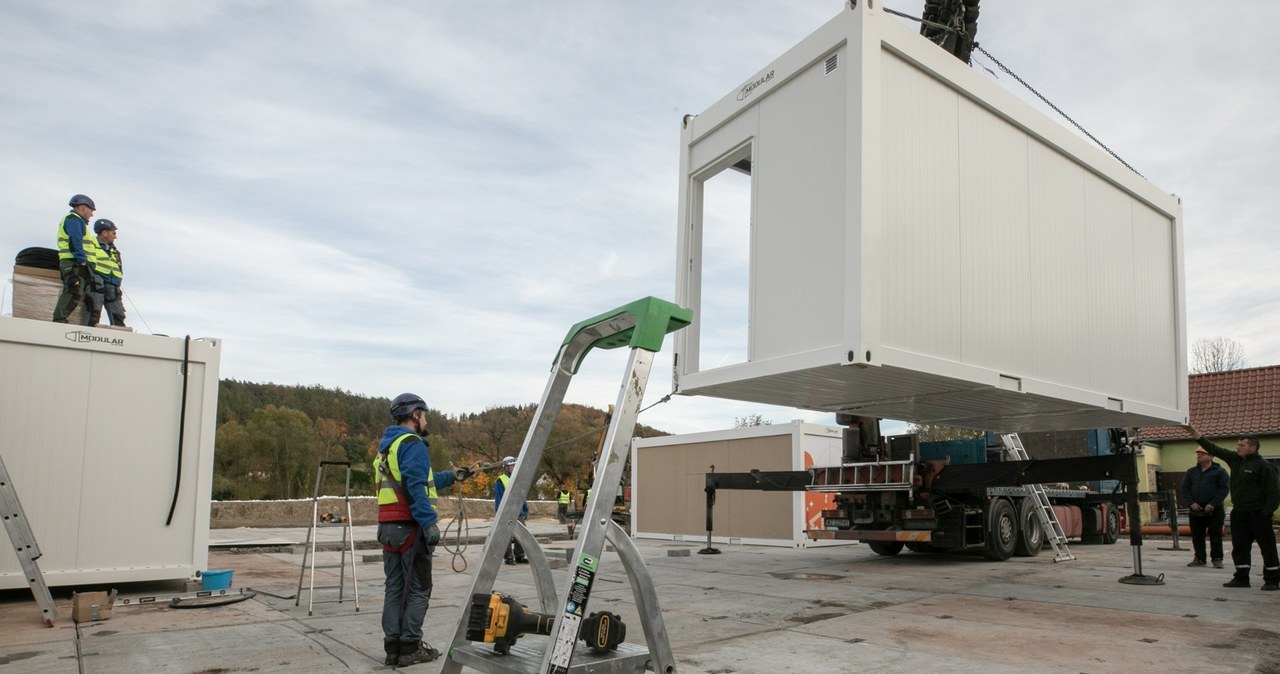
pixel 104 262
pixel 564 497
pixel 64 241
pixel 386 492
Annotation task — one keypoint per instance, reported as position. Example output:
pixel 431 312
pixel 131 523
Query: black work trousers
pixel 1212 525
pixel 1248 527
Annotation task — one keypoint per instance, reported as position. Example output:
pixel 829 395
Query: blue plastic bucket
pixel 216 580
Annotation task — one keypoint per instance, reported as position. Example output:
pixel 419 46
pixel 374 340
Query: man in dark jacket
pixel 1204 488
pixel 1255 495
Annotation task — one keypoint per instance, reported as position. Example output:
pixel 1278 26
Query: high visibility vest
pixel 564 497
pixel 103 261
pixel 64 241
pixel 389 501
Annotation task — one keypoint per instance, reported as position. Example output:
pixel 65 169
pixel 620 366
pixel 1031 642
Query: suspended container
pixel 868 225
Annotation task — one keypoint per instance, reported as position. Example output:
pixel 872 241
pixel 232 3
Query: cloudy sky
pixel 388 196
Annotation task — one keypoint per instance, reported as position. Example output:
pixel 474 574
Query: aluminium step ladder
pixel 24 544
pixel 348 546
pixel 641 325
pixel 1044 510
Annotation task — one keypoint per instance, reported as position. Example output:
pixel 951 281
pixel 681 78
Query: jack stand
pixel 641 325
pixel 711 501
pixel 1135 540
pixel 1171 497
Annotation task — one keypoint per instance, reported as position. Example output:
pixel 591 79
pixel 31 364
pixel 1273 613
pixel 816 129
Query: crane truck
pixel 969 495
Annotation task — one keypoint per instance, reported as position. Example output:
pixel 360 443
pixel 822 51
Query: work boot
pixel 1271 587
pixel 412 653
pixel 1196 561
pixel 509 560
pixel 1217 563
pixel 1237 582
pixel 522 560
pixel 393 652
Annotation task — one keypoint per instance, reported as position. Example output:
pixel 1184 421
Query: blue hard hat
pixel 102 225
pixel 81 200
pixel 405 404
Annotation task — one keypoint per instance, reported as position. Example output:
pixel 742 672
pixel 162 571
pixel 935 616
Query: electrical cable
pixel 135 310
pixel 461 534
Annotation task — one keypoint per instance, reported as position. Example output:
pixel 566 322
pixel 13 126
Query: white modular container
pixel 668 480
pixel 912 241
pixel 89 430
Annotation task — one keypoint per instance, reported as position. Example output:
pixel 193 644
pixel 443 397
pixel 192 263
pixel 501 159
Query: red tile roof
pixel 1229 404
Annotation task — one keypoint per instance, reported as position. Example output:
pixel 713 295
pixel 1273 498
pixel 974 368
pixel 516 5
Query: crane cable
pixel 461 527
pixel 1023 82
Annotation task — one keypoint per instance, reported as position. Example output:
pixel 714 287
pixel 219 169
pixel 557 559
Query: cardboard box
pixel 35 293
pixel 92 606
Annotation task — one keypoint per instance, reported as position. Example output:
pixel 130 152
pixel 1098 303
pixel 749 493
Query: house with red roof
pixel 1223 407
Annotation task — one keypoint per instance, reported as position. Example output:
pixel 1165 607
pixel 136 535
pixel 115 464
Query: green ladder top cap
pixel 654 318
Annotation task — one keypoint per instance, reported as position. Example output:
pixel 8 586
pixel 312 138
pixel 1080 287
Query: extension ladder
pixel 1044 510
pixel 24 543
pixel 641 325
pixel 348 546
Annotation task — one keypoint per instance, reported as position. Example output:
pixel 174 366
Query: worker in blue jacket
pixel 515 552
pixel 1204 487
pixel 407 493
pixel 73 261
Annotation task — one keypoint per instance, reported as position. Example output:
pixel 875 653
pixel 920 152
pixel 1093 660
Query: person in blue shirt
pixel 515 551
pixel 73 261
pixel 407 492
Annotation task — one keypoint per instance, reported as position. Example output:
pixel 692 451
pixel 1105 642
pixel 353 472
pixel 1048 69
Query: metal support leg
pixel 1135 540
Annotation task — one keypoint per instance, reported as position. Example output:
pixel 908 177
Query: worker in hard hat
pixel 515 552
pixel 107 273
pixel 407 530
pixel 73 261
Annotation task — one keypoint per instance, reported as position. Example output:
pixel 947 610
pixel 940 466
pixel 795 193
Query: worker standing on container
pixel 107 274
pixel 73 262
pixel 407 528
pixel 515 551
pixel 1255 495
pixel 1204 487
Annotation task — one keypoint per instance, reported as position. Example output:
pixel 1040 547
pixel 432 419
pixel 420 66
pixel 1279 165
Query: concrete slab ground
pixel 750 609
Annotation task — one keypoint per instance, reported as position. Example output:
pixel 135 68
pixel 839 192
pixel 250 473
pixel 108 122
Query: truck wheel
pixel 1111 533
pixel 886 548
pixel 1002 531
pixel 1030 533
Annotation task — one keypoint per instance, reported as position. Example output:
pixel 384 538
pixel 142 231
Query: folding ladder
pixel 24 543
pixel 1044 510
pixel 641 325
pixel 348 546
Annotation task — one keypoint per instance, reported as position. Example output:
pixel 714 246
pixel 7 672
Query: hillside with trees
pixel 271 438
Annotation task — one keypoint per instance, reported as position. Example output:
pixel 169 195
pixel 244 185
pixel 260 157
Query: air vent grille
pixel 833 62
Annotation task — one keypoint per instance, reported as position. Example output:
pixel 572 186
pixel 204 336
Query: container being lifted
pixel 108 437
pixel 917 243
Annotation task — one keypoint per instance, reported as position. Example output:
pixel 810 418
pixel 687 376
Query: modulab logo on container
pixel 82 337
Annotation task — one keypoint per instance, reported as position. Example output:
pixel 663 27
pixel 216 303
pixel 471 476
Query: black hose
pixel 182 425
